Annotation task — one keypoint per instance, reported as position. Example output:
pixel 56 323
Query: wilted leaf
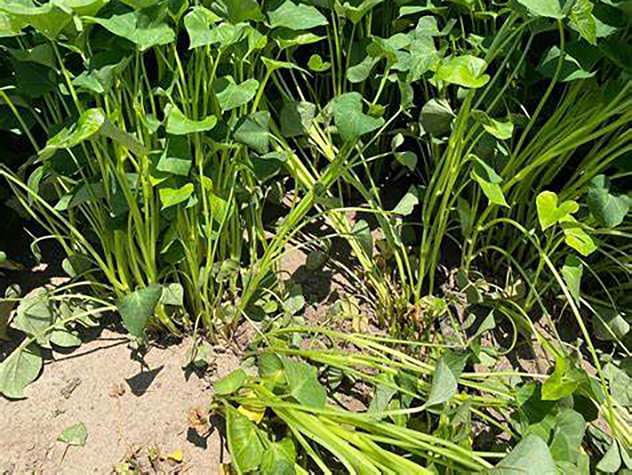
pixel 576 237
pixel 582 20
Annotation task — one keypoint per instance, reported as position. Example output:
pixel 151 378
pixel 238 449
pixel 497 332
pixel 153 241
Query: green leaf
pixel 360 72
pixel 466 71
pixel 245 447
pixel 545 8
pixel 74 435
pixel 295 301
pixel 303 383
pixel 200 25
pixel 608 209
pixel 317 64
pixel 407 159
pixel 271 368
pixel 582 20
pixel 172 294
pixel 549 213
pixel 65 338
pixel 563 381
pixel 611 461
pixel 253 132
pixel 568 436
pixel 530 457
pixel 89 124
pixel 444 384
pixel 356 12
pixel 362 234
pixel 231 95
pixel 49 19
pixel 18 370
pixel 408 202
pixel 146 28
pixel 436 117
pixel 34 315
pixel 576 237
pixel 489 181
pixel 177 158
pixel 297 118
pixel 350 121
pixel 383 393
pixel 238 11
pixel 502 130
pixel 174 196
pixel 137 307
pixel 230 383
pixel 609 324
pixel 572 67
pixel 179 124
pixel 572 272
pixel 279 458
pixel 296 17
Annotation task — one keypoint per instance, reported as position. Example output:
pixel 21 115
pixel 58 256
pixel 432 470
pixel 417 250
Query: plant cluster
pixel 474 155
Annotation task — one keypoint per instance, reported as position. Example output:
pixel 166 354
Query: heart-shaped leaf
pixel 231 95
pixel 18 370
pixel 530 457
pixel 466 71
pixel 137 307
pixel 74 435
pixel 245 447
pixel 230 383
pixel 350 121
pixel 179 124
pixel 303 383
pixel 608 209
pixel 549 213
pixel 296 17
pixel 489 181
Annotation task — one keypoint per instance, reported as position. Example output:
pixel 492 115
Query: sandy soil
pixel 125 408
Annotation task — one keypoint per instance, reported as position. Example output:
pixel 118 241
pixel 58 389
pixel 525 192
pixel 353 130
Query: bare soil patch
pixel 128 410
